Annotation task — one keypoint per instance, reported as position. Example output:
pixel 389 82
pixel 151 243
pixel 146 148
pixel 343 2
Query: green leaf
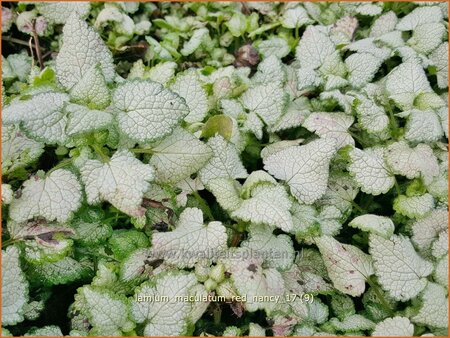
pixel 16 66
pixel 170 316
pixel 396 326
pixel 82 48
pixel 251 279
pixel 412 162
pixel 42 116
pixel 55 197
pixel 45 78
pixel 434 310
pixel 60 13
pixel 352 323
pixel 189 87
pixel 178 156
pixel 190 241
pixel 225 162
pixel 146 110
pixel 18 150
pixel 426 230
pixel 370 171
pixel 49 330
pixel 314 47
pixel 15 287
pixel 331 126
pixel 348 267
pixel 304 168
pixel 218 124
pixel 91 233
pixel 274 46
pixel 122 181
pixel 92 89
pixel 197 38
pixel 277 251
pixel 124 242
pixel 64 271
pixel 107 312
pixel 439 58
pixel 405 83
pixel 379 225
pixel 268 101
pixel 237 24
pixel 400 269
pixel 268 205
pixel 414 206
pixel 295 17
pixel 418 17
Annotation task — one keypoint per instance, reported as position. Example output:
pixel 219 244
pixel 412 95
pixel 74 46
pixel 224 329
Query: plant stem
pixel 30 45
pixel 384 304
pixel 98 255
pixel 60 165
pixel 263 29
pixel 142 151
pixel 245 9
pixel 392 118
pixel 236 239
pixel 217 313
pixel 397 188
pixel 37 47
pixel 296 33
pixel 357 207
pixel 18 41
pixel 98 150
pixel 46 55
pixel 8 242
pixel 203 205
pixel 115 218
pixel 392 121
pixel 356 137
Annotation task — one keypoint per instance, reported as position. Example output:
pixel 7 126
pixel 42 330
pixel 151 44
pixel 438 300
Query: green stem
pixel 357 138
pixel 18 41
pixel 296 32
pixel 392 121
pixel 357 207
pixel 229 227
pixel 217 313
pixel 99 151
pixel 392 118
pixel 142 151
pixel 60 165
pixel 397 188
pixel 263 29
pixel 383 302
pixel 204 206
pixel 37 47
pixel 236 239
pixel 115 218
pixel 8 242
pixel 98 255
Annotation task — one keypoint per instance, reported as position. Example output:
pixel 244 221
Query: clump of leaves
pixel 225 169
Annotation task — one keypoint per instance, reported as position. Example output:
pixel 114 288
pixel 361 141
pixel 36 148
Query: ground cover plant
pixel 224 169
